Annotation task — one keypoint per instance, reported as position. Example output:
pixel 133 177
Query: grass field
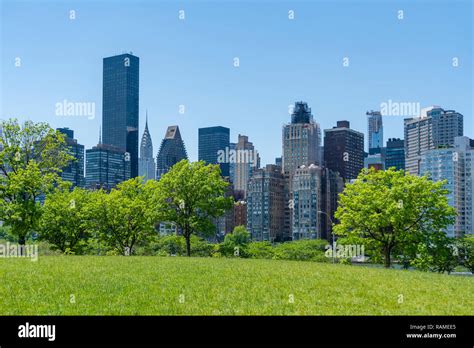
pixel 88 285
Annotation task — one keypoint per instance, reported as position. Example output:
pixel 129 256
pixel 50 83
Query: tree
pixel 64 220
pixel 235 243
pixel 437 254
pixel 31 158
pixel 123 217
pixel 392 209
pixel 191 195
pixel 466 252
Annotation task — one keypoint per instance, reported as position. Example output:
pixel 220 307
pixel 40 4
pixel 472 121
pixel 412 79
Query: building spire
pixel 146 120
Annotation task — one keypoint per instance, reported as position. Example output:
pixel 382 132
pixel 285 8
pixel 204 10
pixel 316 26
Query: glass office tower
pixel 214 141
pixel 120 105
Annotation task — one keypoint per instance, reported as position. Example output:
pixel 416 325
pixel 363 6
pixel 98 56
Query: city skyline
pixel 251 99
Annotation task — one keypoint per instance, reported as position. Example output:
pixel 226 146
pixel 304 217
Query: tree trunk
pixel 22 242
pixel 387 252
pixel 187 236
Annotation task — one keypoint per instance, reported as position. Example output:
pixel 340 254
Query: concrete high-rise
pixel 266 204
pixel 244 161
pixel 315 191
pixel 434 128
pixel 301 140
pixel 232 147
pixel 172 150
pixel 120 98
pixel 344 150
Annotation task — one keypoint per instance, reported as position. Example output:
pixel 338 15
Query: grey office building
pixel 301 140
pixel 120 105
pixel 434 128
pixel 267 205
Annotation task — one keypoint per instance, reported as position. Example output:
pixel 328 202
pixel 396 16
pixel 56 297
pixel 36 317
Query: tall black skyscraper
pixel 120 105
pixel 214 143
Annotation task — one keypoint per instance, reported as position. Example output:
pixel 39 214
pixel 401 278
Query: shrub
pixel 235 244
pixel 304 250
pixel 260 250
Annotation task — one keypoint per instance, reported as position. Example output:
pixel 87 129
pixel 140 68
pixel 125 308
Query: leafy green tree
pixel 390 209
pixel 123 217
pixel 235 243
pixel 31 158
pixel 438 253
pixel 64 220
pixel 466 252
pixel 191 195
pixel 171 245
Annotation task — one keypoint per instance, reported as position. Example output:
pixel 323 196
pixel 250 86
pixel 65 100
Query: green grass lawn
pixel 214 286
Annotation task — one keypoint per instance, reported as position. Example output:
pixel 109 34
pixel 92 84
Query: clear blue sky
pixel 190 62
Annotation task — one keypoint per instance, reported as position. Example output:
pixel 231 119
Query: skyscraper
pixel 278 161
pixel 434 128
pixel 332 184
pixel 266 204
pixel 307 202
pixel 301 140
pixel 375 131
pixel 454 164
pixel 172 150
pixel 146 161
pixel 120 97
pixel 214 146
pixel 245 160
pixel 315 192
pixel 106 166
pixel 232 147
pixel 74 172
pixel 344 150
pixel 395 153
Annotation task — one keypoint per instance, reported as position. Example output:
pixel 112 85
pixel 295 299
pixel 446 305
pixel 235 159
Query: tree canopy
pixel 191 195
pixel 31 158
pixel 390 210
